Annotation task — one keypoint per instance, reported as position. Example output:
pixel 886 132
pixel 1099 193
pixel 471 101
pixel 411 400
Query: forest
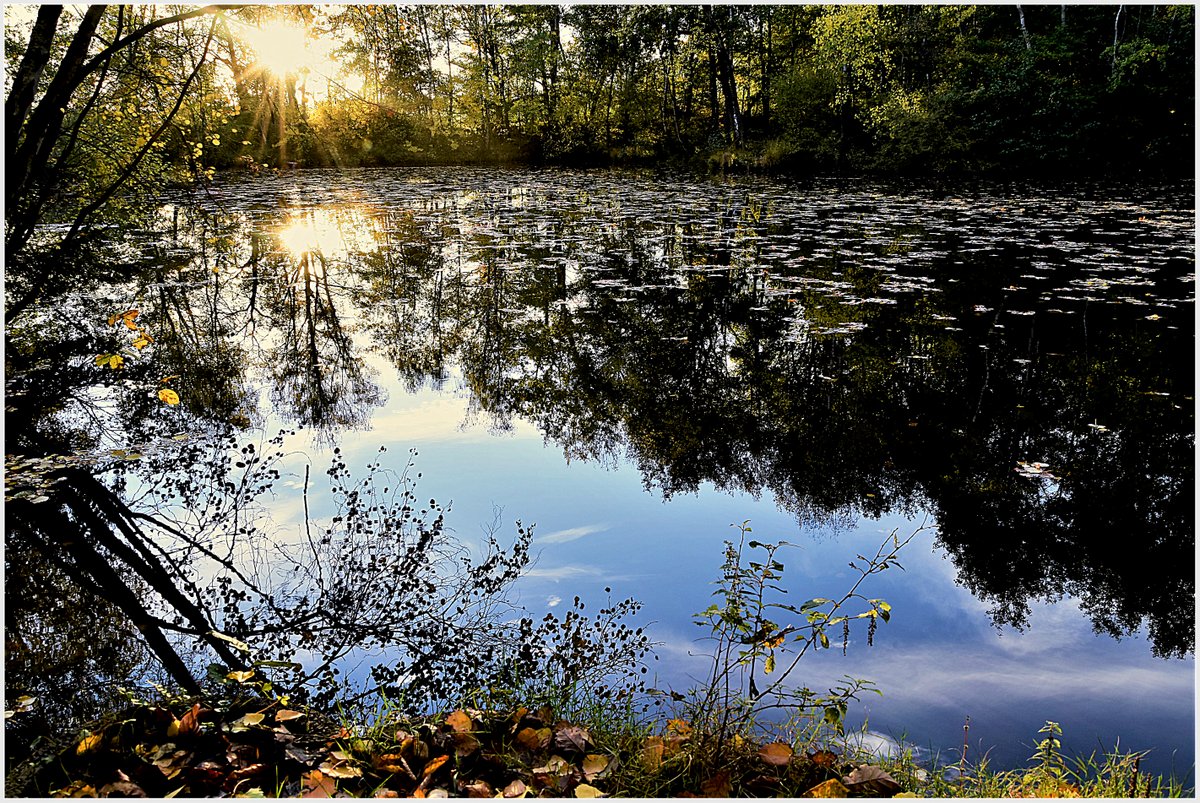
pixel 895 89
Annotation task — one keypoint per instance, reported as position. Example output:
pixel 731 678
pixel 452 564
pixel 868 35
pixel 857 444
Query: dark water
pixel 635 362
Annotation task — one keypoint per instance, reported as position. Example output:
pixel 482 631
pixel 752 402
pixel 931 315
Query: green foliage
pixel 759 639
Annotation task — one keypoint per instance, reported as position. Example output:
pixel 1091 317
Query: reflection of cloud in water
pixel 438 418
pixel 558 573
pixel 572 534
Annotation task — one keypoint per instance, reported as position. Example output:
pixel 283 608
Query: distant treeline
pixel 1063 89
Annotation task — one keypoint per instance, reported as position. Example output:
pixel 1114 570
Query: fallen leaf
pixel 465 744
pixel 679 726
pixel 190 722
pixel 717 786
pixel 394 763
pixel 823 758
pixel 534 738
pixel 871 781
pixel 831 788
pixel 168 396
pixel 386 793
pixel 479 789
pixel 777 754
pixel 460 721
pixel 88 744
pixel 249 720
pixel 434 765
pixel 594 766
pixel 340 770
pixel 516 789
pixel 572 738
pixel 285 715
pixel 317 784
pixel 587 790
pixel 122 789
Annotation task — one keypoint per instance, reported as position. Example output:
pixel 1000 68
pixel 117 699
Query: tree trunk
pixel 33 63
pixel 1024 30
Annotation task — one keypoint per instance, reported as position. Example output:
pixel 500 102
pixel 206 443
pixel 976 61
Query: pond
pixel 634 363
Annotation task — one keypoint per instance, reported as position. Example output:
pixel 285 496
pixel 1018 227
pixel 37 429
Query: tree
pixel 51 103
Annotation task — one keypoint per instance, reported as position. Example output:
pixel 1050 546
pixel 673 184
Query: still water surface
pixel 636 362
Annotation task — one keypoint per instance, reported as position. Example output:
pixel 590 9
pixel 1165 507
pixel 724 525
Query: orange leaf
pixel 168 396
pixel 434 765
pixel 317 784
pixel 534 738
pixel 777 754
pixel 460 720
pixel 823 758
pixel 679 726
pixel 190 722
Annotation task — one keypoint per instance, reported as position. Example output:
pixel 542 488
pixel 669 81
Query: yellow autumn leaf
pixel 587 790
pixel 170 397
pixel 143 341
pixel 88 744
pixel 241 676
pixel 831 788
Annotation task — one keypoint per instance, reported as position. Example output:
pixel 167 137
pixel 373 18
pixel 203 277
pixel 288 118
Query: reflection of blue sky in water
pixel 938 661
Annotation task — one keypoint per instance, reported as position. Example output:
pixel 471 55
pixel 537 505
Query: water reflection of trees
pixel 690 351
pixel 703 374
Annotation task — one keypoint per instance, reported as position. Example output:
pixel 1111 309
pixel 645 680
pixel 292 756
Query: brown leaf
pixel 190 722
pixel 572 738
pixel 394 763
pixel 587 790
pixel 460 721
pixel 246 772
pixel 386 793
pixel 317 784
pixel 285 715
pixel 124 788
pixel 534 738
pixel 823 758
pixel 717 786
pixel 465 744
pixel 594 766
pixel 516 718
pixel 777 754
pixel 516 789
pixel 831 788
pixel 479 789
pixel 871 781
